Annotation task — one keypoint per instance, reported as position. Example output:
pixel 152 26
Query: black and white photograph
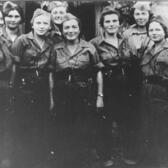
pixel 83 84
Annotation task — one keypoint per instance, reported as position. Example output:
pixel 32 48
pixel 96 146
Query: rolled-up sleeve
pixel 95 58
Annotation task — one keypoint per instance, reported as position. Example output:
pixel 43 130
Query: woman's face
pixel 111 24
pixel 13 19
pixel 1 20
pixel 71 30
pixel 41 25
pixel 156 32
pixel 58 14
pixel 141 17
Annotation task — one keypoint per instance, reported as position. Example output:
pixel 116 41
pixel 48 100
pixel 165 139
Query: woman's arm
pixel 100 95
pixel 51 88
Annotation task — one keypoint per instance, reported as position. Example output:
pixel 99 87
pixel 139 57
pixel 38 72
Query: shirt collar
pixel 4 33
pixel 31 37
pixel 102 39
pixel 151 46
pixel 82 44
pixel 135 31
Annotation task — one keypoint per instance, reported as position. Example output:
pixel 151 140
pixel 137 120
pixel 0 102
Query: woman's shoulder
pixel 59 45
pixel 22 37
pixel 87 44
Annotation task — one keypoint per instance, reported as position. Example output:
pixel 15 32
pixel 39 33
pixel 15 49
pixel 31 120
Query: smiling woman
pixel 76 66
pixel 154 66
pixel 32 53
pixel 71 29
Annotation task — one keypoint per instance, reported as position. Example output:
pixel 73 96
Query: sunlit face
pixel 58 14
pixel 41 25
pixel 111 24
pixel 141 17
pixel 71 30
pixel 156 32
pixel 13 19
pixel 1 20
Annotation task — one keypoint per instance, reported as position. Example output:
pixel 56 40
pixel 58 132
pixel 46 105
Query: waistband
pixel 111 72
pixel 154 79
pixel 74 75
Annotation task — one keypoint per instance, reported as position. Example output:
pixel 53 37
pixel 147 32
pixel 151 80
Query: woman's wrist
pixel 100 95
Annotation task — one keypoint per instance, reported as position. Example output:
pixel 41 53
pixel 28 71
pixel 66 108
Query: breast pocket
pixel 109 57
pixel 29 56
pixel 83 59
pixel 60 58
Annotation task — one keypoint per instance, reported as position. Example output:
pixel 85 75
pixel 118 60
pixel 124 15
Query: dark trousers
pixel 155 121
pixel 31 102
pixel 111 122
pixel 71 125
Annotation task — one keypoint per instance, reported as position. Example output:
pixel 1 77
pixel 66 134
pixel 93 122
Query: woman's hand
pixel 51 107
pixel 99 102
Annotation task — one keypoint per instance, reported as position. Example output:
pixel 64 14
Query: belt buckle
pixel 109 73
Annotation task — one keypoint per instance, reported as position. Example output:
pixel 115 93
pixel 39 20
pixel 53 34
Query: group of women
pixel 84 85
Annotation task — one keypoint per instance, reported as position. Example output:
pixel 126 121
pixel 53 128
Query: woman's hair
pixel 39 12
pixel 108 10
pixel 144 6
pixel 49 6
pixel 10 6
pixel 68 17
pixel 162 21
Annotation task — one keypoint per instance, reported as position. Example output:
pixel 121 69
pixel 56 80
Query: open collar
pixel 30 36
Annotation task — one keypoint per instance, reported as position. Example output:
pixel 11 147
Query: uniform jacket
pixel 155 61
pixel 28 54
pixel 84 57
pixel 134 39
pixel 109 54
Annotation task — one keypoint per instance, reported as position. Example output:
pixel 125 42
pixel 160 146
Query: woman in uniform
pixel 5 101
pixel 135 36
pixel 1 22
pixel 154 66
pixel 58 9
pixel 11 19
pixel 113 53
pixel 31 55
pixel 75 62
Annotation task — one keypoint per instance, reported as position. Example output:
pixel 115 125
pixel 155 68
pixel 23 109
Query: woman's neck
pixel 12 33
pixel 40 40
pixel 142 29
pixel 72 45
pixel 159 43
pixel 72 42
pixel 112 39
pixel 110 36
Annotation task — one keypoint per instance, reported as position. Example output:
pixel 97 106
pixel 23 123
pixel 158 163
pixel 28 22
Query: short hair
pixel 39 12
pixel 162 21
pixel 49 6
pixel 141 6
pixel 68 17
pixel 10 6
pixel 108 10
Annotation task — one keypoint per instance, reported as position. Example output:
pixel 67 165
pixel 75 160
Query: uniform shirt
pixel 135 39
pixel 155 62
pixel 5 56
pixel 28 54
pixel 84 57
pixel 109 54
pixel 6 38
